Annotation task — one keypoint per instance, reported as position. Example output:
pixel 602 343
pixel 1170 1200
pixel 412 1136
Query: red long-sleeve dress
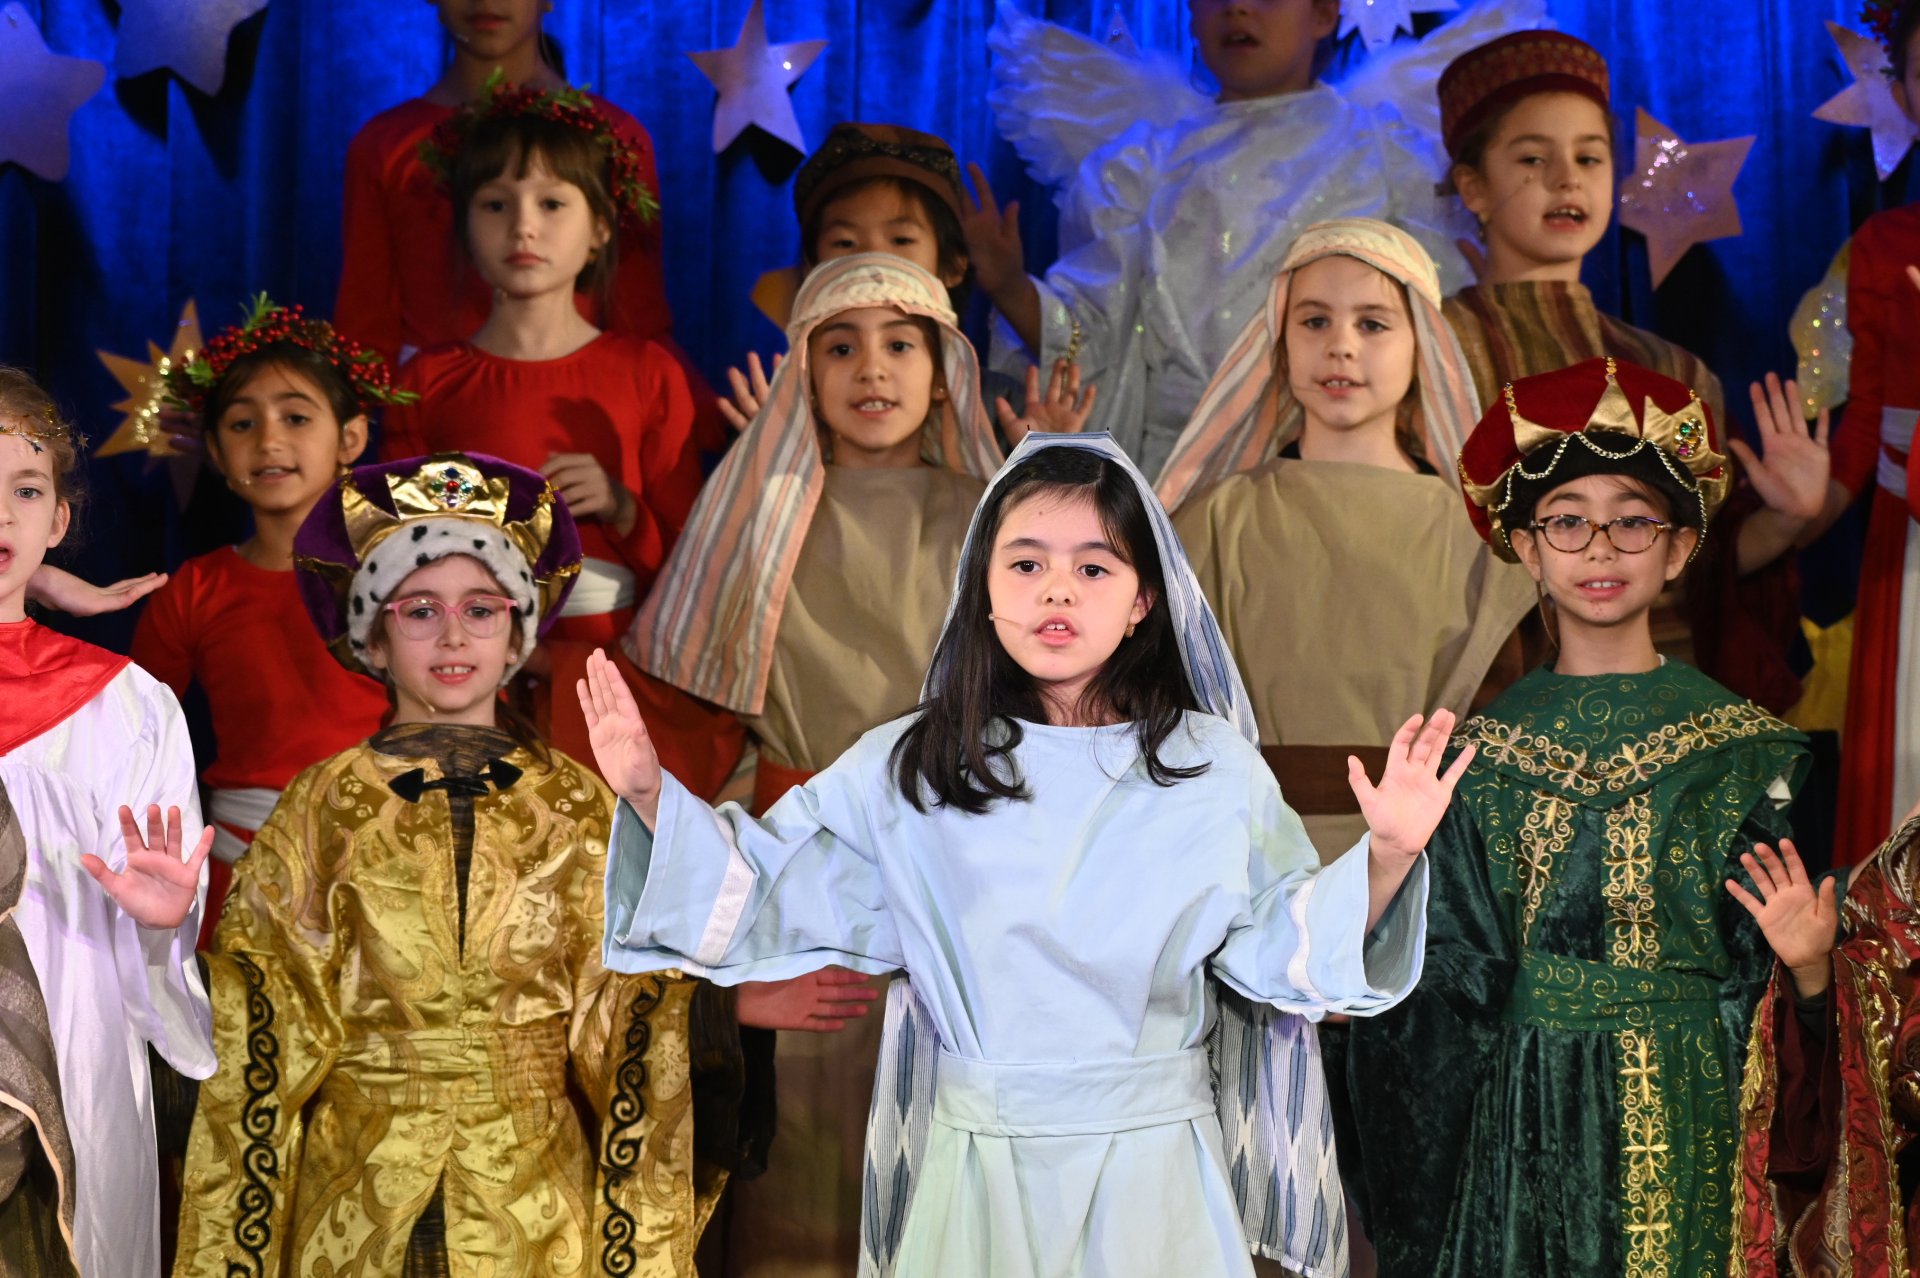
pixel 279 700
pixel 1880 751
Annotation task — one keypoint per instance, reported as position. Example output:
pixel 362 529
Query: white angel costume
pixel 1065 955
pixel 83 988
pixel 1176 210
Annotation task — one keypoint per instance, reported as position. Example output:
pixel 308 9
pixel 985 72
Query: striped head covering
pixel 1248 412
pixel 1203 647
pixel 708 626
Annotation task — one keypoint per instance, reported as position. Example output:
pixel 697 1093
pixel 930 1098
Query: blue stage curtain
pixel 174 194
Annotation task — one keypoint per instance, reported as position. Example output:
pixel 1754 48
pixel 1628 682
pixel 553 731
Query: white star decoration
pixel 752 79
pixel 1680 193
pixel 1378 20
pixel 190 36
pixel 44 89
pixel 1868 102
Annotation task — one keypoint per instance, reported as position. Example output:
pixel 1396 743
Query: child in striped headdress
pixel 805 595
pixel 1323 452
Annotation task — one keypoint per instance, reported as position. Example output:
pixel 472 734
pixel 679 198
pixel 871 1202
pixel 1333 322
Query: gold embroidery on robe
pixel 369 1059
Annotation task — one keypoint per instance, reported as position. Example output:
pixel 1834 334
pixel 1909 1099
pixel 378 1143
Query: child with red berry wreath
pixel 546 193
pixel 282 402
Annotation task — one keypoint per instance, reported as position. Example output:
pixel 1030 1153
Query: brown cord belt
pixel 1313 779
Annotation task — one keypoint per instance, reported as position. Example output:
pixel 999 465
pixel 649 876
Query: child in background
pixel 1173 228
pixel 282 402
pixel 416 1035
pixel 93 973
pixel 402 286
pixel 1011 841
pixel 1530 141
pixel 869 188
pixel 1316 455
pixel 1881 779
pixel 1571 1057
pixel 806 595
pixel 544 189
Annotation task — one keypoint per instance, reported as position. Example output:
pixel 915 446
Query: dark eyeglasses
pixel 1571 534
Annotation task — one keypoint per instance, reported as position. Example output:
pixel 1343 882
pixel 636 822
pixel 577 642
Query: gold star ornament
pixel 145 384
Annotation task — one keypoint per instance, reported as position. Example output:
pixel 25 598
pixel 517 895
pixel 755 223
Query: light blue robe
pixel 1061 947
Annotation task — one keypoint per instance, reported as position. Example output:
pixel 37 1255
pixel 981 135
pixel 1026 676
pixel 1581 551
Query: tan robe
pixel 869 594
pixel 1352 597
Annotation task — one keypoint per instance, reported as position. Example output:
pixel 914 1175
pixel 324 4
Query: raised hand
pixel 1800 924
pixel 993 238
pixel 820 1002
pixel 621 747
pixel 1405 808
pixel 1065 409
pixel 60 590
pixel 157 888
pixel 749 391
pixel 1792 468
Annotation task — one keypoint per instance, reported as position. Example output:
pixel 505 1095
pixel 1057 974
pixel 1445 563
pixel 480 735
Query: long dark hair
pixel 505 145
pixel 961 746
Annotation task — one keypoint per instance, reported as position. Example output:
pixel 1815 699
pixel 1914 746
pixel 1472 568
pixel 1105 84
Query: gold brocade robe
pixel 405 1030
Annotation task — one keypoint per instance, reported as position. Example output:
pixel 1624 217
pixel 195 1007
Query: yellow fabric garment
pixel 1352 597
pixel 870 591
pixel 368 1057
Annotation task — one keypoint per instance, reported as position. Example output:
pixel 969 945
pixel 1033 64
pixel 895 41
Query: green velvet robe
pixel 1557 1098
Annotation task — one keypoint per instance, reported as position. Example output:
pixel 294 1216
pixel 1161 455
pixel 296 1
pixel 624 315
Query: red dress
pixel 628 402
pixel 405 282
pixel 280 702
pixel 1880 751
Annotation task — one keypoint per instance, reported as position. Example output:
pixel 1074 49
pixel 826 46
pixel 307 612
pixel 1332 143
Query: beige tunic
pixel 869 594
pixel 1352 596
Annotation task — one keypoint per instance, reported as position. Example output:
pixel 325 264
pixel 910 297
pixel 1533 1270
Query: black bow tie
pixel 412 785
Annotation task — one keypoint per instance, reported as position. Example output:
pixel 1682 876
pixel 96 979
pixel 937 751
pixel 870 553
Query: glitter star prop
pixel 752 79
pixel 1868 102
pixel 44 89
pixel 1378 20
pixel 1120 36
pixel 188 36
pixel 146 387
pixel 1681 193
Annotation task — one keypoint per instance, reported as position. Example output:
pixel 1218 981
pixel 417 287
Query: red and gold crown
pixel 1588 411
pixel 268 324
pixel 573 107
pixel 1878 16
pixel 1501 72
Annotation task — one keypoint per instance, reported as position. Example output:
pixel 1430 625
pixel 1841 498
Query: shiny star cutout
pixel 1868 102
pixel 1378 20
pixel 145 385
pixel 1120 36
pixel 44 89
pixel 190 36
pixel 1681 193
pixel 752 79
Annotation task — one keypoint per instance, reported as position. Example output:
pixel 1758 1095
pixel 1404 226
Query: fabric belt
pixel 1896 441
pixel 242 809
pixel 771 781
pixel 483 1063
pixel 1313 778
pixel 1072 1098
pixel 601 587
pixel 1577 994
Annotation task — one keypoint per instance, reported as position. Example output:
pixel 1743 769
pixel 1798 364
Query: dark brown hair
pixel 301 361
pixel 961 745
pixel 1470 152
pixel 23 399
pixel 500 146
pixel 950 245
